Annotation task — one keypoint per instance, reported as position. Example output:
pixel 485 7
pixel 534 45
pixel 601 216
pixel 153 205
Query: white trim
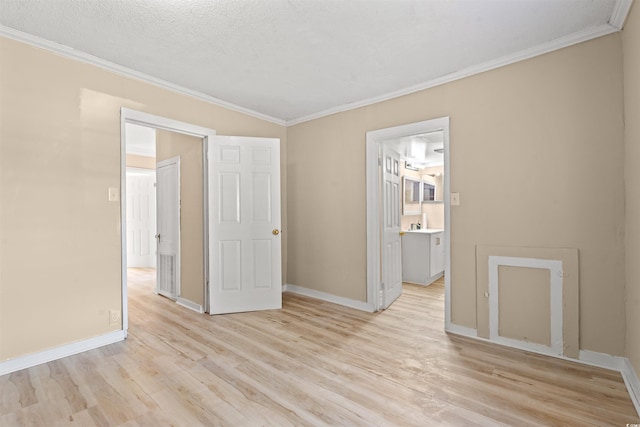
pixel 555 303
pixel 373 144
pixel 373 175
pixel 619 13
pixel 446 184
pixel 347 302
pixel 284 287
pixel 29 360
pixel 630 378
pixel 164 123
pixel 452 328
pixel 205 221
pixel 566 41
pixel 189 304
pixel 616 363
pixel 601 360
pixel 124 304
pixel 586 357
pixel 142 171
pixel 71 53
pixel 138 117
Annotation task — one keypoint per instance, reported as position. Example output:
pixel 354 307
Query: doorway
pixel 175 132
pixel 378 259
pixel 241 222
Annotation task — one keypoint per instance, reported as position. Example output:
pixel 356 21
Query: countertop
pixel 426 231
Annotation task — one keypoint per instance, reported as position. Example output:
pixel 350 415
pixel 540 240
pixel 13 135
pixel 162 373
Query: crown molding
pixel 620 12
pixel 71 53
pixel 569 40
pixel 616 22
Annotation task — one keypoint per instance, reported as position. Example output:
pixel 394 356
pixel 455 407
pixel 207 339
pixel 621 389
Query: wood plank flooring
pixel 310 364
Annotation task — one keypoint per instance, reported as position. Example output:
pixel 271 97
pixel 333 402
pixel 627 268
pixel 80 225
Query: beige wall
pixel 525 142
pixel 142 162
pixel 539 128
pixel 189 148
pixel 59 153
pixel 524 306
pixel 631 51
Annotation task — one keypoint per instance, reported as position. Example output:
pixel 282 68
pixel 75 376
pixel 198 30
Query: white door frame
pixel 150 120
pixel 374 217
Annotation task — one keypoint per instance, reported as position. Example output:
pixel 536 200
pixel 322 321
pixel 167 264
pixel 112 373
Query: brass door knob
pixel 276 232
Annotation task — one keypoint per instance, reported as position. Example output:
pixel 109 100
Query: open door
pixel 391 239
pixel 168 229
pixel 245 246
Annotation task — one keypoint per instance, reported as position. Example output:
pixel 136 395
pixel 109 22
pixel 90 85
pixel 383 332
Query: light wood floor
pixel 311 363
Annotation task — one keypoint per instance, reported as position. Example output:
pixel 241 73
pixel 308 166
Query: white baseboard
pixel 630 377
pixel 190 305
pixel 29 360
pixel 347 302
pixel 616 363
pixel 587 357
pixel 601 360
pixel 461 330
pixel 284 287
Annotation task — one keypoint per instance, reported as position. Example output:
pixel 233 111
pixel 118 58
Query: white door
pixel 141 218
pixel 168 229
pixel 244 223
pixel 391 239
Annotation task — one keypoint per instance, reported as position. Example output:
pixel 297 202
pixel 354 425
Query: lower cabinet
pixel 423 256
pixel 437 254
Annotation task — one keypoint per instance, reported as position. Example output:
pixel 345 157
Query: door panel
pixel 230 266
pixel 229 197
pixel 244 219
pixel 262 263
pixel 168 229
pixel 391 240
pixel 141 218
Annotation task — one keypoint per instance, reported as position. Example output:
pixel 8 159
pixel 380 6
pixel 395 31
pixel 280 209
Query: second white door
pixel 168 229
pixel 245 240
pixel 391 240
pixel 141 218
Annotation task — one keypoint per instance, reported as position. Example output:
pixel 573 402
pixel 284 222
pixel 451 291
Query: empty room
pixel 270 212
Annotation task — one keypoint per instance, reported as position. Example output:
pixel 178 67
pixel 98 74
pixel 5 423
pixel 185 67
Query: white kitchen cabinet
pixel 423 256
pixel 437 253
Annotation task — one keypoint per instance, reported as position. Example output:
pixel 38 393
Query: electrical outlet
pixel 114 316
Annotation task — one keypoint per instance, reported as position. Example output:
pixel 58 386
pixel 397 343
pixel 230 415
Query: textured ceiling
pixel 293 59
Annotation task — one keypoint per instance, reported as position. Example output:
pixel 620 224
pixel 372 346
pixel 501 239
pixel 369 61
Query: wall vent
pixel 167 276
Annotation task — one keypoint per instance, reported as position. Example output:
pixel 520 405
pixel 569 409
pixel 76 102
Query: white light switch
pixel 114 194
pixel 455 199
